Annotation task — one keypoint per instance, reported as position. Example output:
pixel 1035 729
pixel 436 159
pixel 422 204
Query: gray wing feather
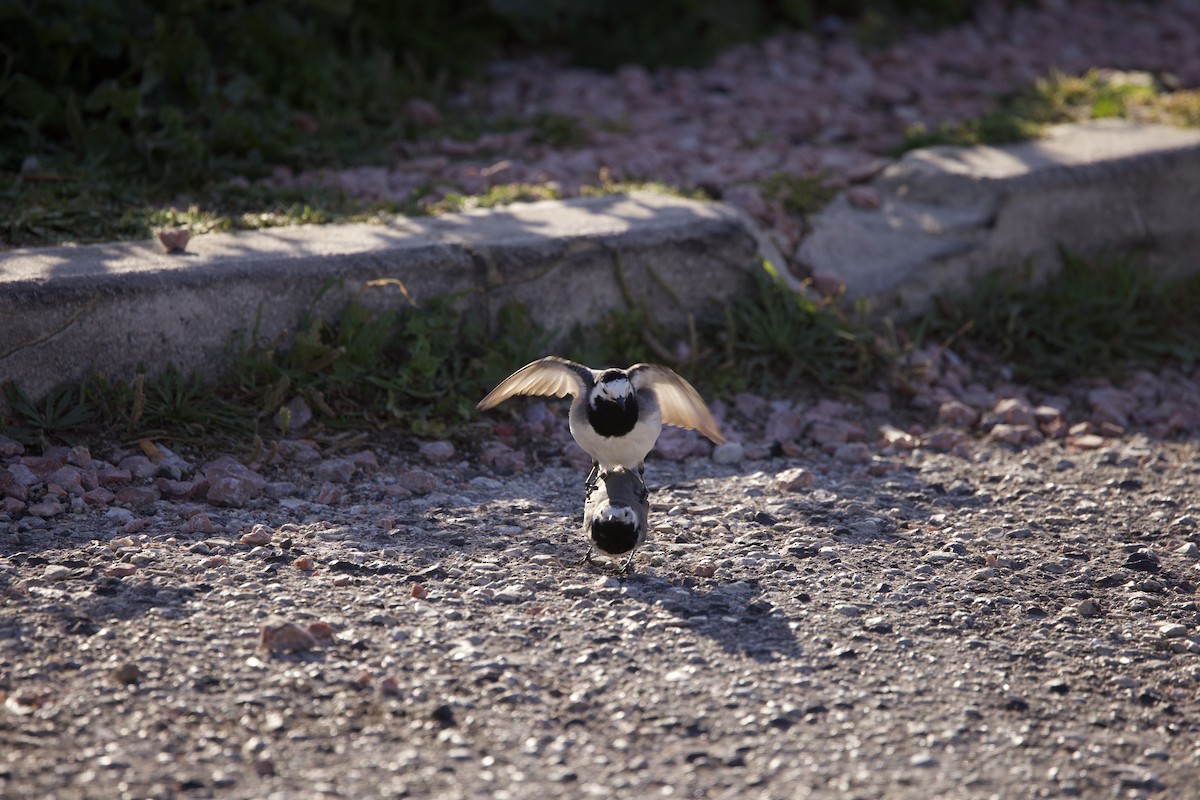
pixel 680 404
pixel 548 377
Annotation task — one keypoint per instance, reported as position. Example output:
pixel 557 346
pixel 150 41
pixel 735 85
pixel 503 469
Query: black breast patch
pixel 608 418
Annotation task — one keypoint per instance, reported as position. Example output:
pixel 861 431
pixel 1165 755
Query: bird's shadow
pixel 734 615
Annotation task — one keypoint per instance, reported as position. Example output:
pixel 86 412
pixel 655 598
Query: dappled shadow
pixel 733 615
pixel 287 248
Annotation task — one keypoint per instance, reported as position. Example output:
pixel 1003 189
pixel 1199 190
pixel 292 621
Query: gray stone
pixel 952 214
pixel 728 453
pixel 110 307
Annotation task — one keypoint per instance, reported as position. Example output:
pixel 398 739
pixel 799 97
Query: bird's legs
pixel 644 493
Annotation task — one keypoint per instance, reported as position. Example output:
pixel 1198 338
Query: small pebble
pixel 279 635
pixel 56 572
pixel 258 535
pixel 794 479
pixel 728 453
pixel 1087 607
pixel 438 452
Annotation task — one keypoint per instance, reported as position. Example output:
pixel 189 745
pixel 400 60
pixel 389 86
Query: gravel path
pixel 963 590
pixel 870 618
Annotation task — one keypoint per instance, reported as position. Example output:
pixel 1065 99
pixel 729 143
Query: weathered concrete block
pixel 951 214
pixel 68 311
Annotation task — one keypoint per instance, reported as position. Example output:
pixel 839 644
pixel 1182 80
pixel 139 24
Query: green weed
pixel 1060 98
pixel 423 369
pixel 61 413
pixel 418 370
pixel 799 195
pixel 1092 317
pixel 781 338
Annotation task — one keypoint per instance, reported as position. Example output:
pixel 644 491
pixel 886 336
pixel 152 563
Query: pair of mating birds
pixel 616 416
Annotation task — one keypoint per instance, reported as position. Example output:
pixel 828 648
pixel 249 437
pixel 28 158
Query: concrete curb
pixel 70 311
pixel 948 215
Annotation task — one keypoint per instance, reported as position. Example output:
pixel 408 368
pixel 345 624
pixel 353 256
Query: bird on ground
pixel 616 514
pixel 616 415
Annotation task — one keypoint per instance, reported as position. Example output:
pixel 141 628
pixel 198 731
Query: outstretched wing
pixel 680 404
pixel 549 377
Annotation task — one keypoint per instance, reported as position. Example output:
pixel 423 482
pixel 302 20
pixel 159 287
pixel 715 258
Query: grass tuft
pixel 422 370
pixel 1061 98
pixel 1090 319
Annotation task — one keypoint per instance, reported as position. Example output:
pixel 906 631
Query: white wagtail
pixel 616 514
pixel 616 414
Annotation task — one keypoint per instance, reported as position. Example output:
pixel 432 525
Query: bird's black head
pixel 612 404
pixel 616 534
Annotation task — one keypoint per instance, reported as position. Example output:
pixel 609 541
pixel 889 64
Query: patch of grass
pixel 770 340
pixel 60 414
pixel 798 194
pixel 1092 317
pixel 499 195
pixel 76 203
pixel 423 369
pixel 1060 98
pixel 781 338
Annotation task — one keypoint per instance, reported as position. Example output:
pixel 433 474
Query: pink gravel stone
pixel 231 483
pixel 784 424
pixel 1111 405
pixel 138 496
pixel 279 635
pixel 438 452
pixel 418 481
pixel 1086 441
pixel 336 470
pixel 1016 435
pixel 197 523
pixel 364 459
pixel 257 535
pixel 110 476
pixel 10 486
pixel 853 453
pixel 1015 411
pixel 98 497
pixel 945 441
pixel 137 466
pixel 794 479
pixel 46 508
pixel 958 413
pixel 330 494
pixel 80 457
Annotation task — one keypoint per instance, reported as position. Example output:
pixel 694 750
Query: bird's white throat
pixel 615 389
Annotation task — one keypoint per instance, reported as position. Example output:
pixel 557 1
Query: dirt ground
pixel 991 622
